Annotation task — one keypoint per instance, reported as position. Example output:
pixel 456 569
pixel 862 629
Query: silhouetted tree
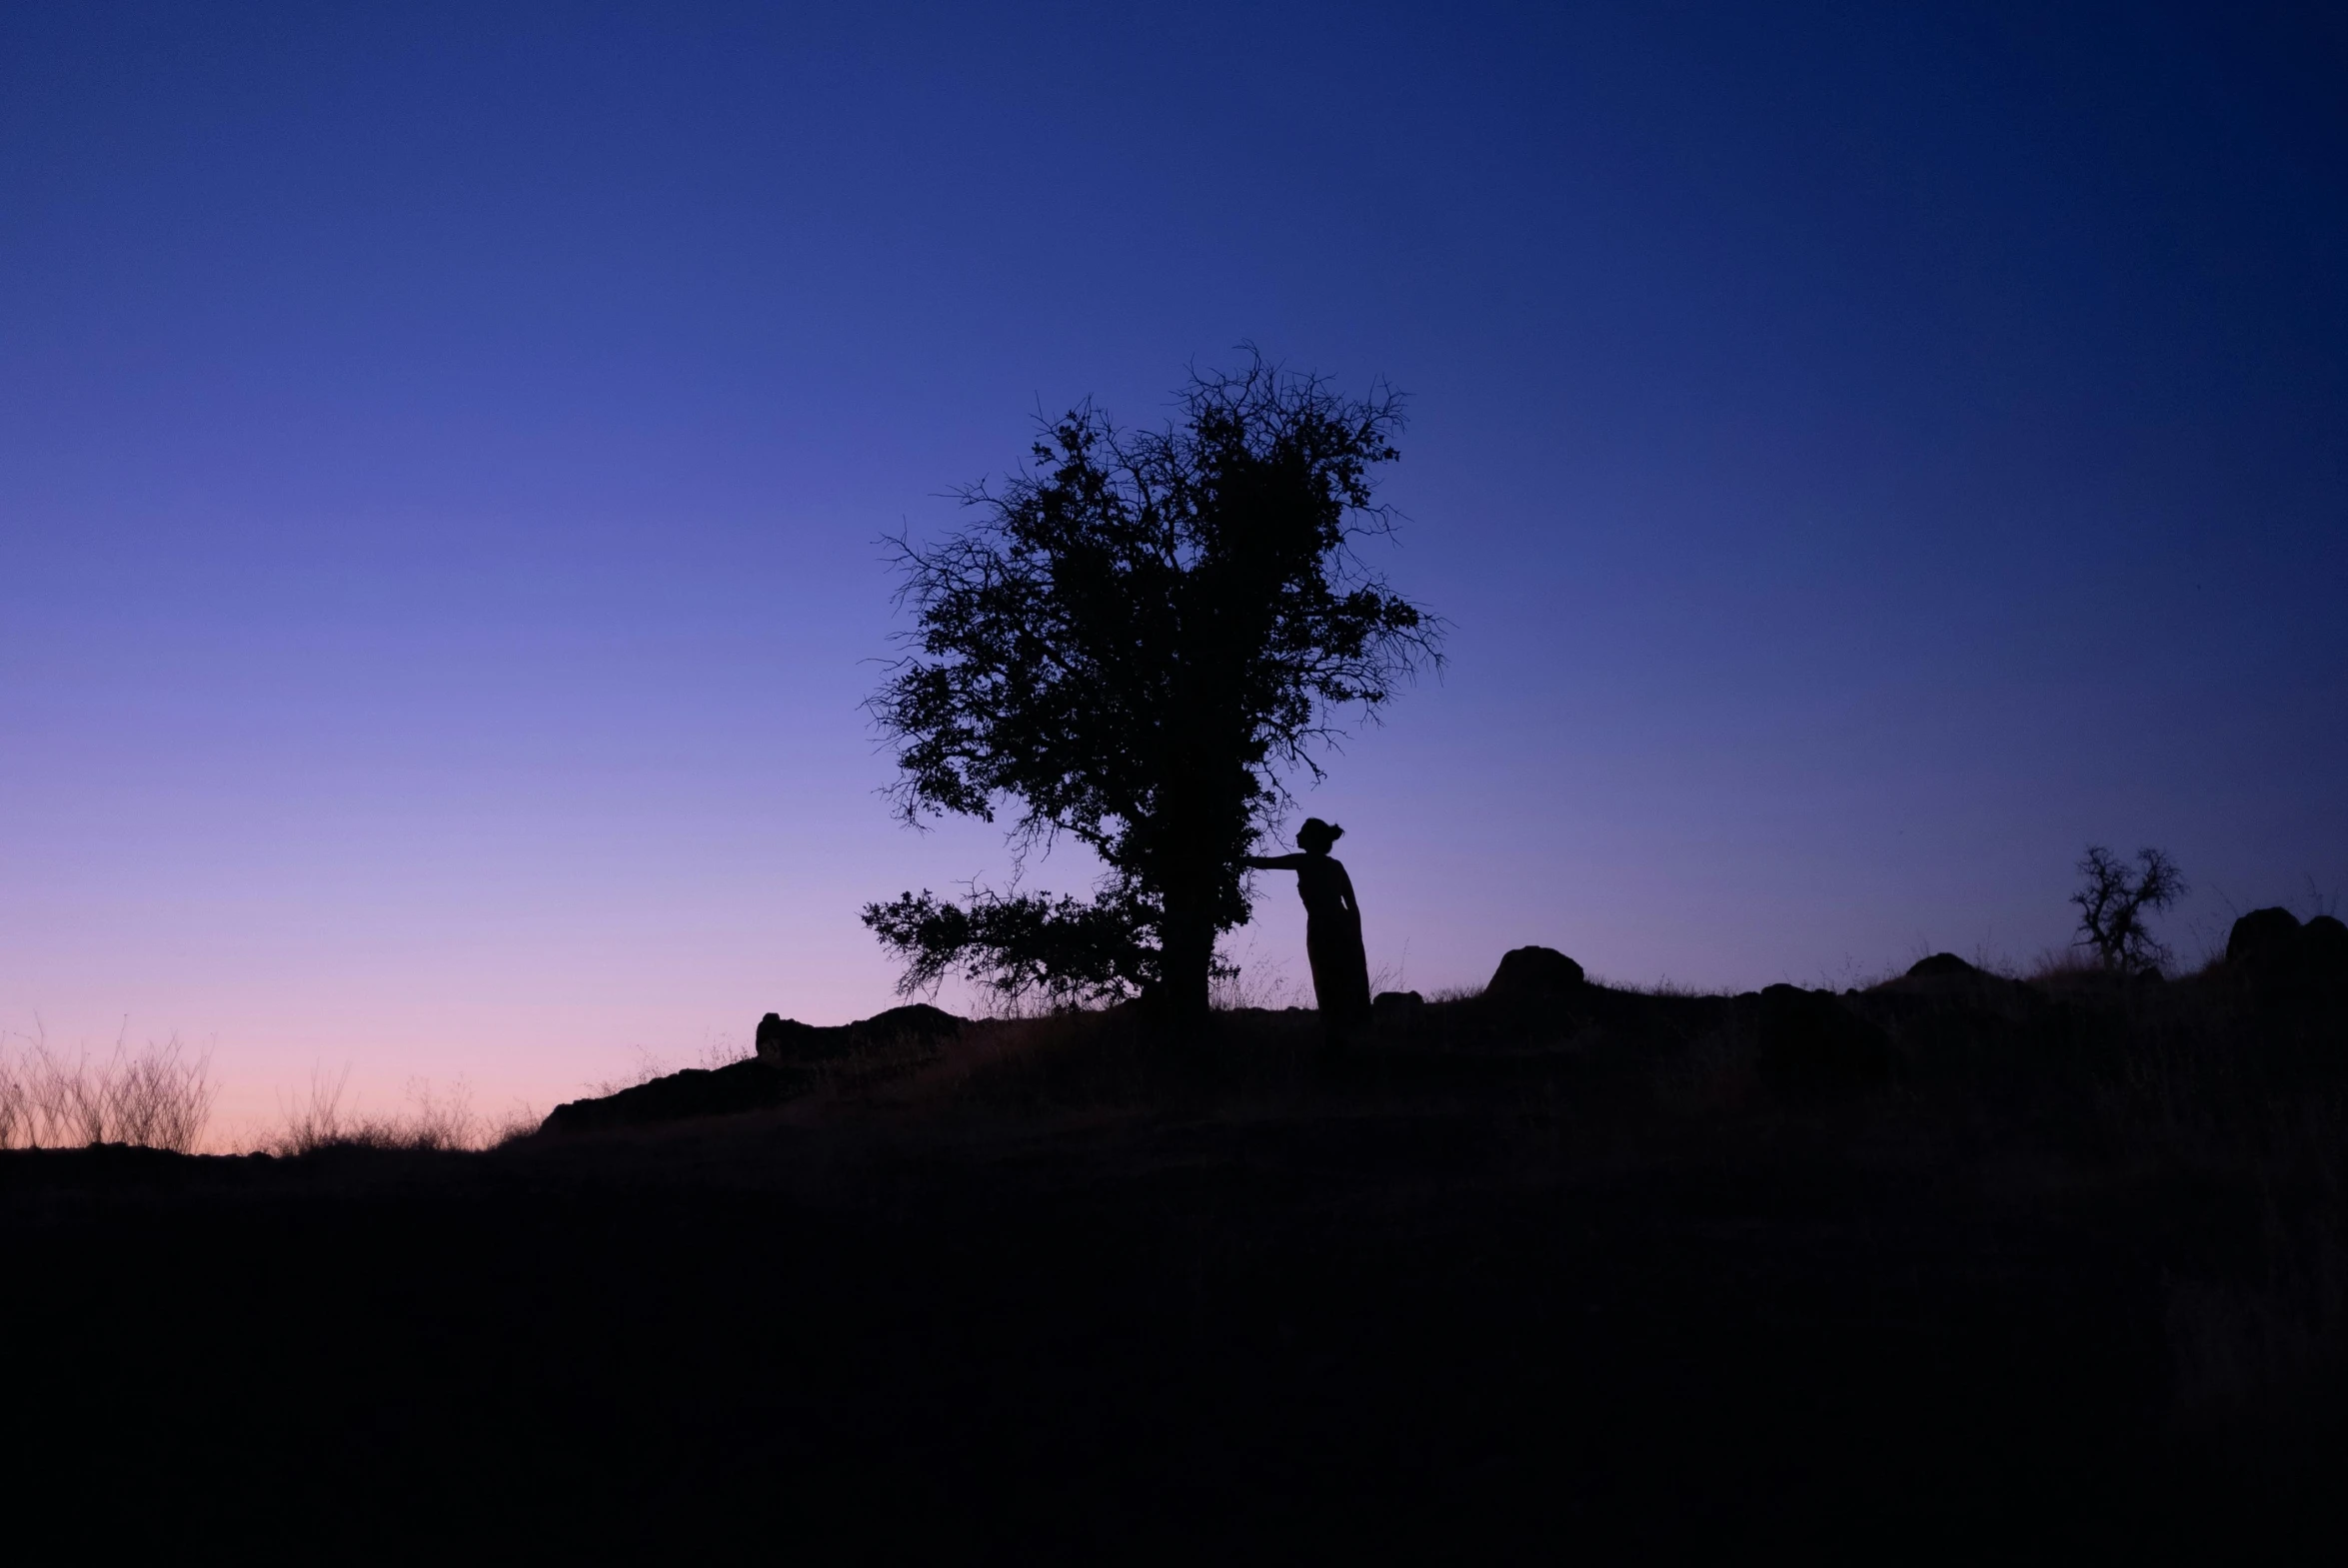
pixel 1142 634
pixel 2112 901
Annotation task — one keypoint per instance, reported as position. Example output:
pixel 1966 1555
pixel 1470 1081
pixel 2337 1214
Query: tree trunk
pixel 1185 956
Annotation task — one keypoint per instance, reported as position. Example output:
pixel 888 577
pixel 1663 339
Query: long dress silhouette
pixel 1332 928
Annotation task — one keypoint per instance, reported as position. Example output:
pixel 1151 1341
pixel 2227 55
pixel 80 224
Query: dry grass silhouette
pixel 437 1120
pixel 719 1050
pixel 158 1097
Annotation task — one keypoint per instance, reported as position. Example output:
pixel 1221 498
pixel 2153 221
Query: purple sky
pixel 1867 453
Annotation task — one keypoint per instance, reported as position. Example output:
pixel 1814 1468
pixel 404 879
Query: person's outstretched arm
pixel 1271 862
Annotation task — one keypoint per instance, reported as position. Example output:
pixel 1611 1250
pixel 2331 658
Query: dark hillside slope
pixel 1521 1282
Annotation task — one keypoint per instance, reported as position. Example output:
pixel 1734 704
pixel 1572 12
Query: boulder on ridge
pixel 2323 942
pixel 2273 948
pixel 782 1040
pixel 1534 972
pixel 784 1068
pixel 2263 937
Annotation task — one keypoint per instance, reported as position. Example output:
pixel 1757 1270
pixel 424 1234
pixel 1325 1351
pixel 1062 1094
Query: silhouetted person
pixel 1332 928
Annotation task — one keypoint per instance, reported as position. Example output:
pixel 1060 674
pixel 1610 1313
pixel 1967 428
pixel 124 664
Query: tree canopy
pixel 1142 637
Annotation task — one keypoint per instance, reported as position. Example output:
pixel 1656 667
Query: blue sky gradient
pixel 1867 453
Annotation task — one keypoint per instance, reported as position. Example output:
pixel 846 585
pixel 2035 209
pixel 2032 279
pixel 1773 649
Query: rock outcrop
pixel 2324 942
pixel 786 1067
pixel 783 1040
pixel 2263 937
pixel 2271 948
pixel 1534 974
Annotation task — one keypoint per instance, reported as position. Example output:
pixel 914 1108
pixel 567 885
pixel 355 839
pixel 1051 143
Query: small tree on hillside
pixel 1135 644
pixel 2112 904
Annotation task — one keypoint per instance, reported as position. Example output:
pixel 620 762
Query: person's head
pixel 1316 837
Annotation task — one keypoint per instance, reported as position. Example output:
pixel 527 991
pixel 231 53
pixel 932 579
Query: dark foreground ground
pixel 2024 1273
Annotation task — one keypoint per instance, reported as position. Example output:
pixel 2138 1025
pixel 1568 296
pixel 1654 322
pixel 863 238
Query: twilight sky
pixel 1867 453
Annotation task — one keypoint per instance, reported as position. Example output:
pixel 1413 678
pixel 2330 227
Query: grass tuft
pixel 436 1121
pixel 159 1097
